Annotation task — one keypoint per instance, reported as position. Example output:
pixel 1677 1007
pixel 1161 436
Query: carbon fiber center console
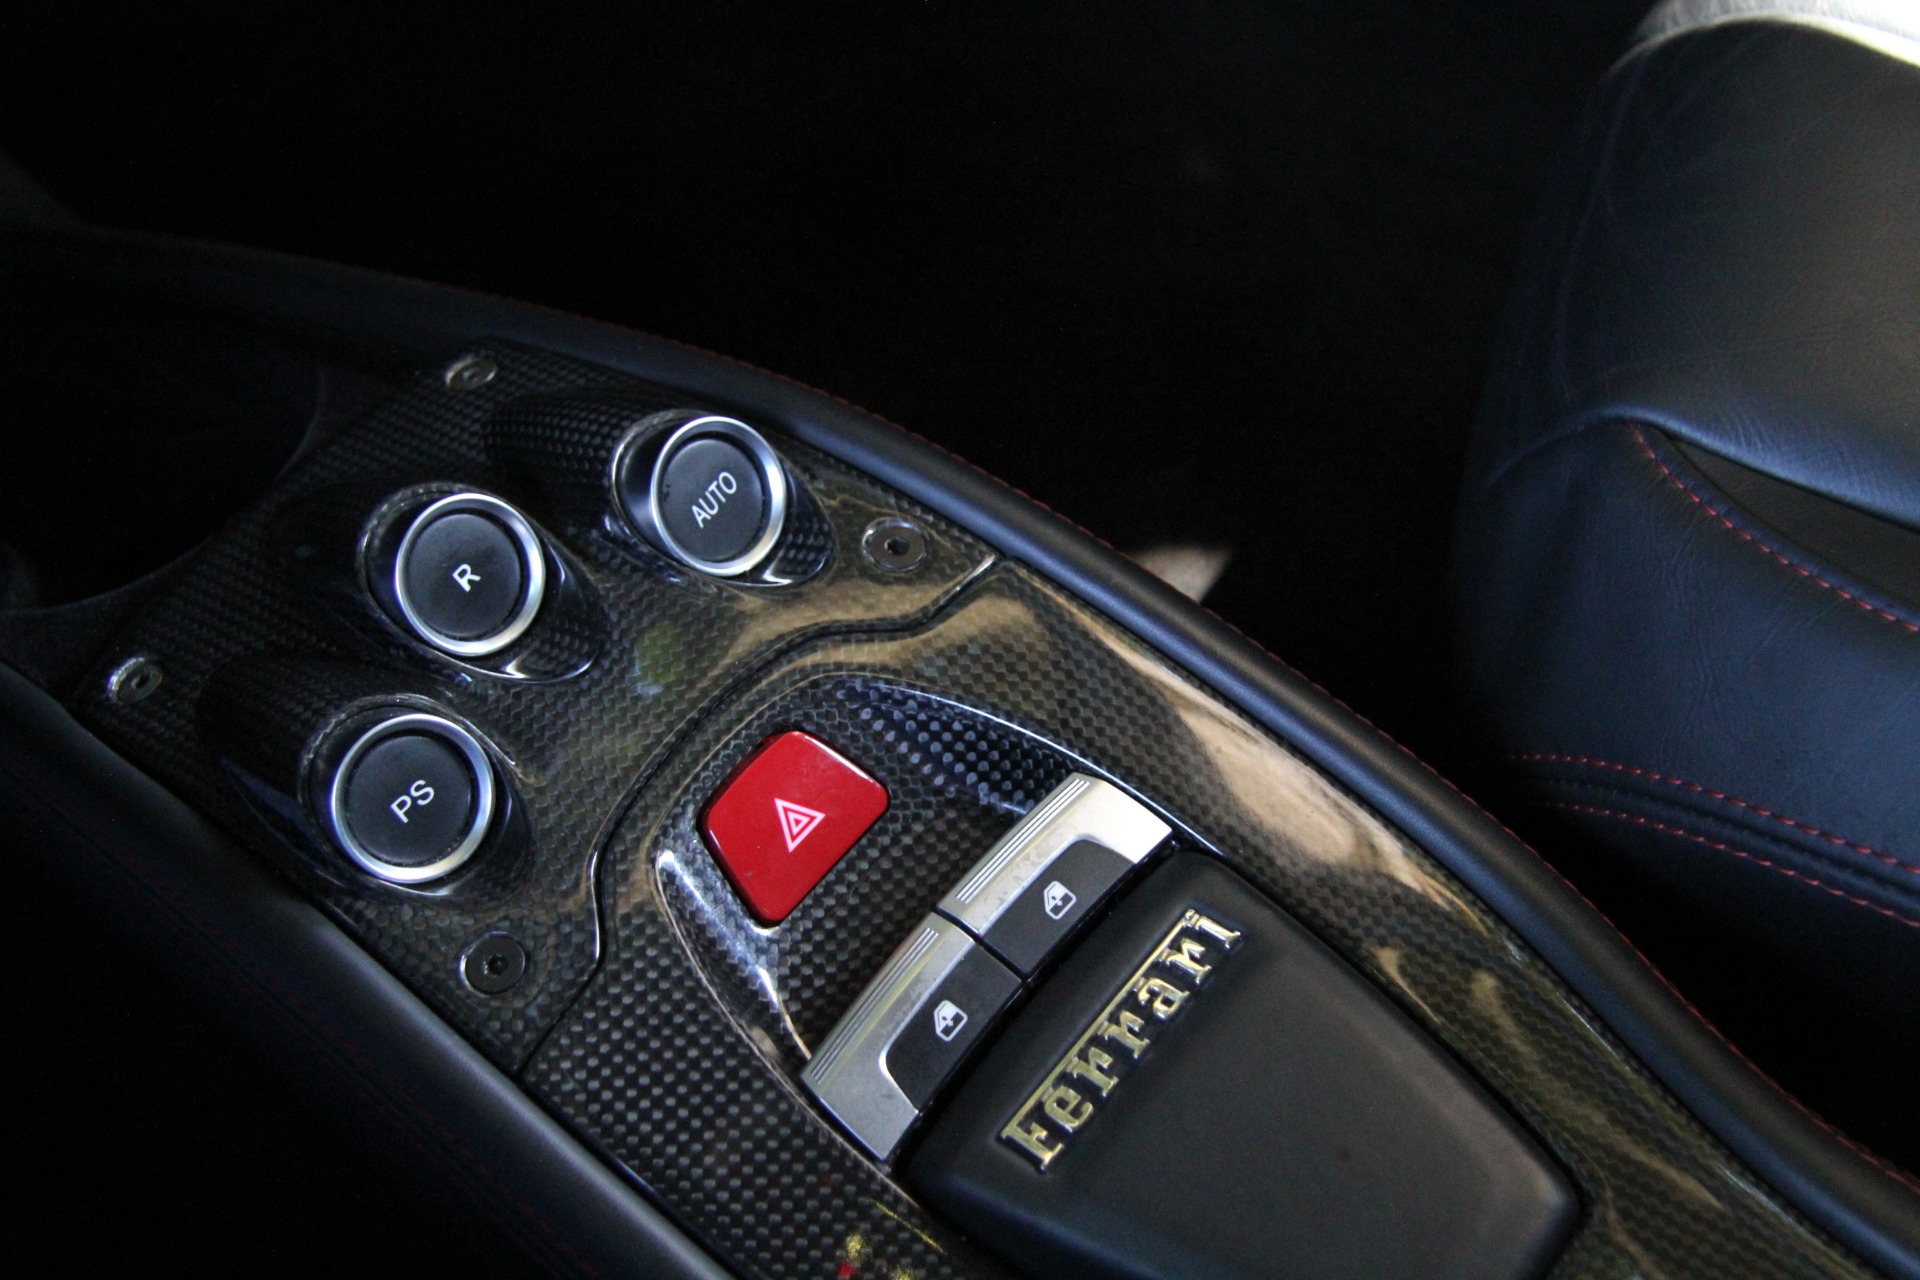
pixel 764 825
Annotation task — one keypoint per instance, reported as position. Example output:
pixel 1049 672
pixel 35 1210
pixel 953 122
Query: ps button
pixel 410 799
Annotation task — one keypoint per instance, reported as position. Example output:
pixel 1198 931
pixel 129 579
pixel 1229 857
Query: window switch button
pixel 951 1018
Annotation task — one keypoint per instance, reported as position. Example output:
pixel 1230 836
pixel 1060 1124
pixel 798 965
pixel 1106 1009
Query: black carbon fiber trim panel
pixel 270 641
pixel 956 781
pixel 675 1053
pixel 702 1108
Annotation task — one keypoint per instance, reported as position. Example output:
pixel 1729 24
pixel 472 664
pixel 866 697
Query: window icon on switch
pixel 1057 899
pixel 948 1019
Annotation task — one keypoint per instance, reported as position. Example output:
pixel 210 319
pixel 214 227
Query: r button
pixel 469 574
pixel 463 575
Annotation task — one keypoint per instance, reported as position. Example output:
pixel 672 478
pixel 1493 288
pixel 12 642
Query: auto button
pixel 712 499
pixel 712 493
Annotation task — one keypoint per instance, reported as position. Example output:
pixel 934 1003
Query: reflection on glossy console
pixel 1016 681
pixel 271 639
pixel 675 1043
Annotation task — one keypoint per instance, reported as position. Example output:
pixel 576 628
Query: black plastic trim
pixel 295 987
pixel 1865 1208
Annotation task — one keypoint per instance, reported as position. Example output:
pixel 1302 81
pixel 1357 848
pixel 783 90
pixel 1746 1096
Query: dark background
pixel 1218 272
pixel 1215 272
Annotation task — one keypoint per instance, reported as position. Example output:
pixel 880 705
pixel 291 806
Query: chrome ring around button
pixel 648 520
pixel 532 554
pixel 484 798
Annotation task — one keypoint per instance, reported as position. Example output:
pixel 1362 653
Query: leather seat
pixel 1688 555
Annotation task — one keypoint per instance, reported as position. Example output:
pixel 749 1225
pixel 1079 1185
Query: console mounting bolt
pixel 470 373
pixel 495 964
pixel 134 681
pixel 894 544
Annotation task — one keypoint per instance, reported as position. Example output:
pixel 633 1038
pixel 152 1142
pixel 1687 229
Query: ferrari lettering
pixel 1080 1083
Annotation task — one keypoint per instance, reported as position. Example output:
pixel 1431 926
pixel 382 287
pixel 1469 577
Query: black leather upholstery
pixel 1685 561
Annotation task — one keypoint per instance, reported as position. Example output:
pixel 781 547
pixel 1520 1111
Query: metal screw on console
pixel 134 681
pixel 470 373
pixel 494 965
pixel 894 544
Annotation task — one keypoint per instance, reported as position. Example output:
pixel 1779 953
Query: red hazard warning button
pixel 787 817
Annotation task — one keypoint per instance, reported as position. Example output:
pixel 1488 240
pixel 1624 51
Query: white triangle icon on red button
pixel 796 821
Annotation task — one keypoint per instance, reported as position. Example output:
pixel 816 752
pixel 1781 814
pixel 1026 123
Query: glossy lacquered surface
pixel 968 723
pixel 672 1042
pixel 276 642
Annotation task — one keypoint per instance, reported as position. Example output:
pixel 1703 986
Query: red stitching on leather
pixel 1897 1174
pixel 1894 1172
pixel 1545 757
pixel 1790 563
pixel 1907 1181
pixel 1755 858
